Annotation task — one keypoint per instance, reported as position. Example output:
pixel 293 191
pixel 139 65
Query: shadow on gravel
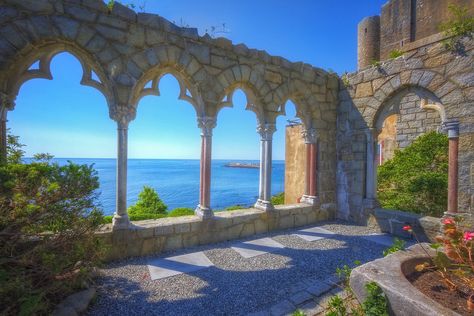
pixel 222 290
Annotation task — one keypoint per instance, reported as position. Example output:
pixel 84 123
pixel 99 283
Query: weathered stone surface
pixel 403 297
pixel 75 304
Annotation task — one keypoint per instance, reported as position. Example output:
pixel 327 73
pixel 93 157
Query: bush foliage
pixel 148 204
pixel 278 199
pixel 416 179
pixel 181 211
pixel 48 216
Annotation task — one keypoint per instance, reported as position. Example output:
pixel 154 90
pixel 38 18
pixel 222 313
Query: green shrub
pixel 398 244
pixel 461 24
pixel 181 211
pixel 278 199
pixel 149 205
pixel 234 207
pixel 47 222
pixel 416 179
pixel 108 219
pixel 395 54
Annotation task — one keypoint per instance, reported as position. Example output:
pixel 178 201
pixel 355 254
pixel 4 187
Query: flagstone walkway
pixel 270 274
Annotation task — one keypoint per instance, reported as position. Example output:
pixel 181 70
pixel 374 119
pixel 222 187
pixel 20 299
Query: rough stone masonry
pixel 124 55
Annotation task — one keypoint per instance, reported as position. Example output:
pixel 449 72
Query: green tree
pixel 149 203
pixel 48 217
pixel 14 149
pixel 416 179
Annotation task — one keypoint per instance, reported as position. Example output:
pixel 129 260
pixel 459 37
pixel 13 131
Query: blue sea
pixel 177 181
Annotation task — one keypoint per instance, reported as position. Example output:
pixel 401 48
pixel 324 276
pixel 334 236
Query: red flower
pixel 468 236
pixel 448 221
pixel 407 228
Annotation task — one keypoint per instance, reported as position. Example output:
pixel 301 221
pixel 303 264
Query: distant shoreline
pixel 242 165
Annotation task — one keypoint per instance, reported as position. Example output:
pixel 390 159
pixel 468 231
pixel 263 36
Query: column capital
pixel 266 131
pixel 452 127
pixel 206 124
pixel 370 133
pixel 310 135
pixel 123 115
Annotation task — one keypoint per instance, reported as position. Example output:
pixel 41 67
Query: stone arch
pixel 300 95
pixel 251 82
pixel 168 60
pixel 20 70
pixel 446 91
pixel 390 106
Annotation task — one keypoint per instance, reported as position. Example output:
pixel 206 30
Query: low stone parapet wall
pixel 156 236
pixel 392 221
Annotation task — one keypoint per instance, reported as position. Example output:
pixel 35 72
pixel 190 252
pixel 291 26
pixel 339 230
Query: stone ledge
pixel 392 222
pixel 403 297
pixel 166 234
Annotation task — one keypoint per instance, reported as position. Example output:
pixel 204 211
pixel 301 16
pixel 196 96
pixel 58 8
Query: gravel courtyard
pixel 234 285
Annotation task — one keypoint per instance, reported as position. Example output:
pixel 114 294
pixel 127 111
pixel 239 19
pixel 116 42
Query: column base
pixel 120 222
pixel 370 204
pixel 204 212
pixel 264 205
pixel 309 199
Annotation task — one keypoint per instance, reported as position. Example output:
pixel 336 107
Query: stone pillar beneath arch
pixel 265 185
pixel 370 200
pixel 203 210
pixel 3 135
pixel 6 103
pixel 311 176
pixel 120 219
pixel 452 127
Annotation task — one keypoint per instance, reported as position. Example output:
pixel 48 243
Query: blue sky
pixel 66 119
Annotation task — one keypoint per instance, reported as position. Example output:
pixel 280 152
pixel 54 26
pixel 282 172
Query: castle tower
pixel 368 44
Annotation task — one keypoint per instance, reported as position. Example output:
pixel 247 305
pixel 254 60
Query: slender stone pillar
pixel 3 135
pixel 370 200
pixel 206 124
pixel 452 127
pixel 6 103
pixel 265 185
pixel 311 177
pixel 121 220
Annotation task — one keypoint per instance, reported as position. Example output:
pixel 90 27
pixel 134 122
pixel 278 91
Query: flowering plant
pixel 454 257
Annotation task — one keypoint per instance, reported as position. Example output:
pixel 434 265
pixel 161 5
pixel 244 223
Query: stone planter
pixel 389 273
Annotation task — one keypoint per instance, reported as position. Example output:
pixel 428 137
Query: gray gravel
pixel 234 286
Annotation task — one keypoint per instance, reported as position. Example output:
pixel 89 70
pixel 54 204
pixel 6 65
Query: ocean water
pixel 177 181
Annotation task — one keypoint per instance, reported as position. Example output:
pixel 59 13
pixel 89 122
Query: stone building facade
pixel 388 105
pixel 401 23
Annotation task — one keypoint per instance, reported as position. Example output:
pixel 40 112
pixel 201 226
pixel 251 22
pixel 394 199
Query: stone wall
pixel 410 86
pixel 155 236
pixel 404 22
pixel 295 164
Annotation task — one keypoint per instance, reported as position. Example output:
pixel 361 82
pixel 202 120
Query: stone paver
pixel 253 248
pixel 167 267
pixel 314 233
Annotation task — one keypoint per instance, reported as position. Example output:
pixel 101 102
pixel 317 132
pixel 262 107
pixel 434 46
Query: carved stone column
pixel 370 201
pixel 3 135
pixel 6 104
pixel 452 127
pixel 265 186
pixel 311 176
pixel 121 220
pixel 206 124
